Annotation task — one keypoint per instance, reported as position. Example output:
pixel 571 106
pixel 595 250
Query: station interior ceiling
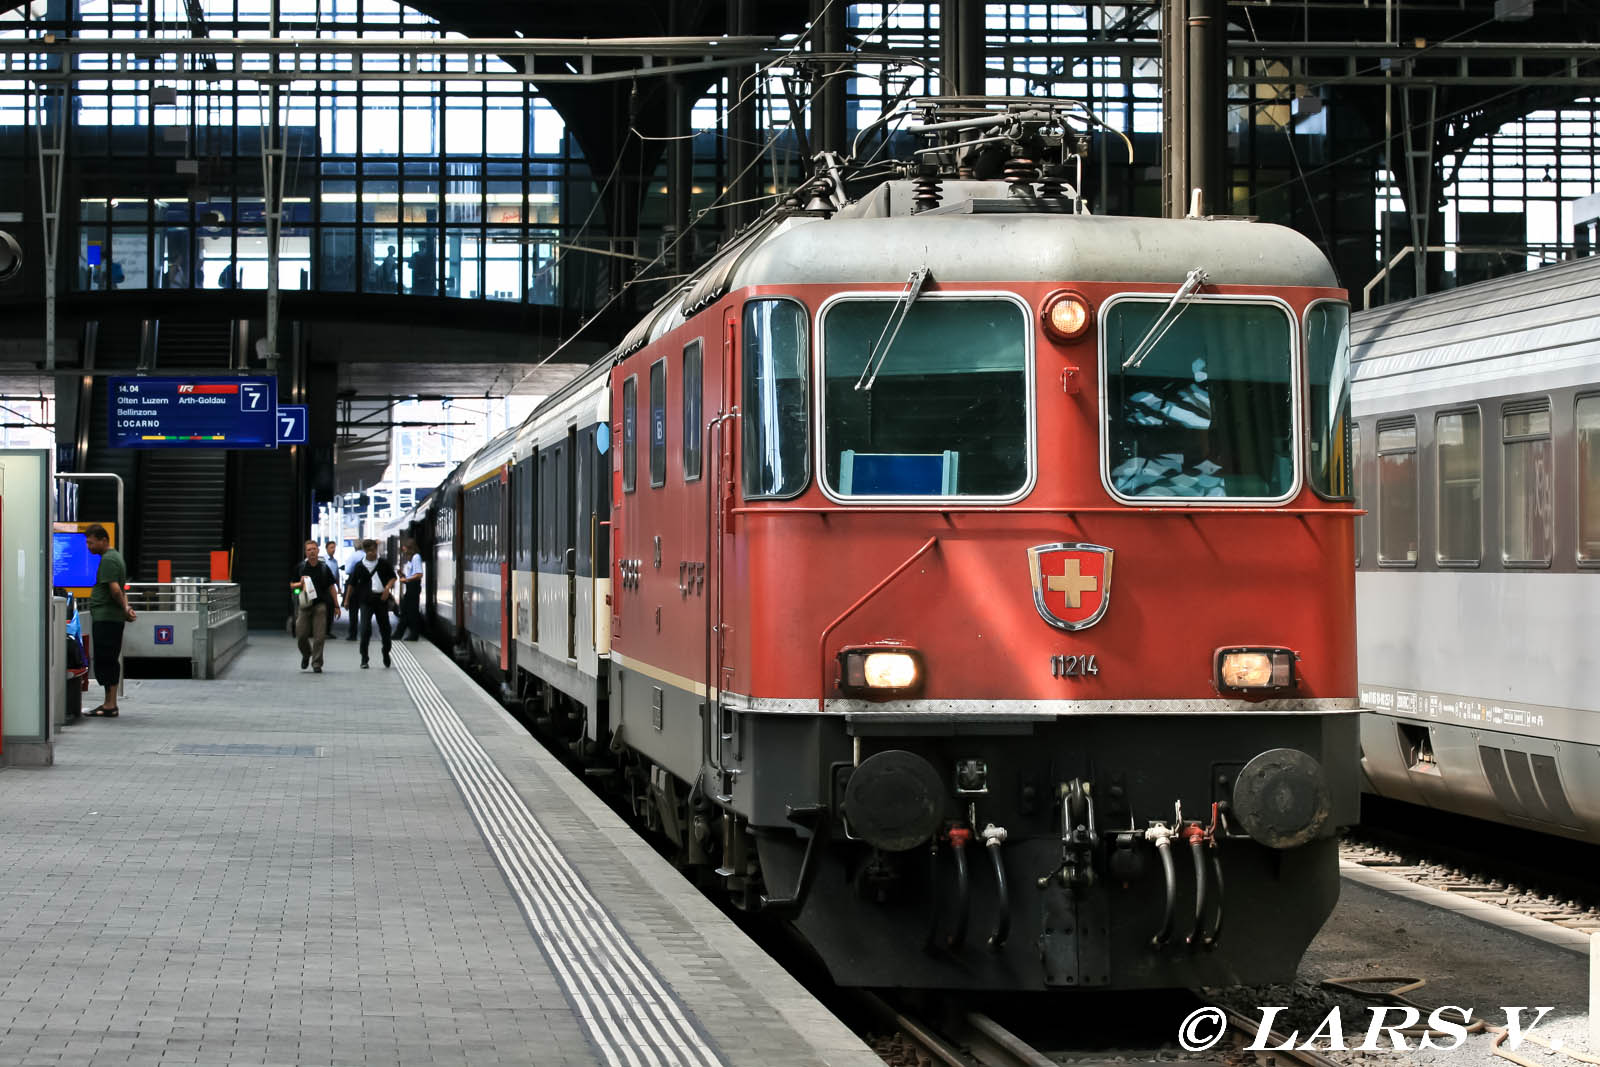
pixel 466 201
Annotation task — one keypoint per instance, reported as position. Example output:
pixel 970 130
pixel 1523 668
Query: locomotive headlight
pixel 1246 669
pixel 880 673
pixel 1066 315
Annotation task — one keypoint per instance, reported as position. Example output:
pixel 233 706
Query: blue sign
pixel 291 424
pixel 194 412
pixel 163 635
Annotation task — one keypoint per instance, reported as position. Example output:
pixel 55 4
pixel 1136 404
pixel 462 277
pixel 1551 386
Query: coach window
pixel 691 411
pixel 1457 439
pixel 1529 497
pixel 630 433
pixel 1589 479
pixel 1328 376
pixel 1355 482
pixel 1199 402
pixel 777 411
pixel 1397 492
pixel 925 400
pixel 658 423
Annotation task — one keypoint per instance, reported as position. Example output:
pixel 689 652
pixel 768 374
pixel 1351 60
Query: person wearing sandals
pixel 108 614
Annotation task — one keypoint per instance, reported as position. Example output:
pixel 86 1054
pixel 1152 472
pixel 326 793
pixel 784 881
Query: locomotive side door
pixel 721 429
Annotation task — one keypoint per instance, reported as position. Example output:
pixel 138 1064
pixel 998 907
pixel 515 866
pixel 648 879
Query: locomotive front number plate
pixel 1073 666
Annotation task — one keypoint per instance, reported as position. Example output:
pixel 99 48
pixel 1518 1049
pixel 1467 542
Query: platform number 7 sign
pixel 291 424
pixel 253 397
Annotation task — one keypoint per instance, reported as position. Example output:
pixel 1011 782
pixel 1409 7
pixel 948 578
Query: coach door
pixel 570 527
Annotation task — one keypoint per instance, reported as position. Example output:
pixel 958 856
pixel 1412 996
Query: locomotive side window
pixel 691 410
pixel 1589 479
pixel 1527 529
pixel 630 434
pixel 1200 403
pixel 1355 482
pixel 658 423
pixel 1397 492
pixel 777 411
pixel 925 400
pixel 1457 439
pixel 1328 376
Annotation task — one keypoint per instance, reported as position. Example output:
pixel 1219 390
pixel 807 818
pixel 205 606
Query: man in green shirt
pixel 108 613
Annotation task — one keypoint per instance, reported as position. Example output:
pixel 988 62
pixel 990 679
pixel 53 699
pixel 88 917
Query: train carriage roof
pixel 1524 332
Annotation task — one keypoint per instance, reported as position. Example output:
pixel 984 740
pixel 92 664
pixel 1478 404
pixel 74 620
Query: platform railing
pixel 188 617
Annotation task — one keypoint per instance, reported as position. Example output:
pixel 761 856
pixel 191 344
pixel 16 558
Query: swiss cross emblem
pixel 1071 583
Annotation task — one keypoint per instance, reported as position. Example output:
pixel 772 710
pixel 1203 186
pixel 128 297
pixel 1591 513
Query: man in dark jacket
pixel 316 606
pixel 375 579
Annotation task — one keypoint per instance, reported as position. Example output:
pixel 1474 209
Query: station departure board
pixel 194 412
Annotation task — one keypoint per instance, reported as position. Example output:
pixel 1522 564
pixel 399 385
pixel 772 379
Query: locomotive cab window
pixel 925 399
pixel 1328 380
pixel 1527 528
pixel 777 412
pixel 1397 492
pixel 1200 401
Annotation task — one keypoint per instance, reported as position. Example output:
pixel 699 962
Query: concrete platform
pixel 361 866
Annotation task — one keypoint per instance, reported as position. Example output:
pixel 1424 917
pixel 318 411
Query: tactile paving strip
pixel 630 1015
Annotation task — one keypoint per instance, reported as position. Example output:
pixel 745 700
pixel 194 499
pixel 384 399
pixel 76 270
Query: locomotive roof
pixel 1528 331
pixel 986 239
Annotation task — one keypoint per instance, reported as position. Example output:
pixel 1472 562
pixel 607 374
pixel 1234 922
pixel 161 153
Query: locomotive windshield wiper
pixel 897 319
pixel 1169 315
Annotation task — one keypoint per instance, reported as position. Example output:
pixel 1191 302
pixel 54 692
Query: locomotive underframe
pixel 867 909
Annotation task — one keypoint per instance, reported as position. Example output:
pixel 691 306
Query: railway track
pixel 966 1038
pixel 1523 871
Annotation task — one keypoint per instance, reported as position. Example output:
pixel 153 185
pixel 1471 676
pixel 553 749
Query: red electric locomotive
pixel 980 591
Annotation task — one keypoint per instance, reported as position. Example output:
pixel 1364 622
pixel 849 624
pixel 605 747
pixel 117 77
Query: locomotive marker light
pixel 880 673
pixel 1254 670
pixel 1066 316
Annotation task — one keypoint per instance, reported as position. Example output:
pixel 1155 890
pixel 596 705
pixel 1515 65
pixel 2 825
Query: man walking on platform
pixel 108 613
pixel 316 606
pixel 353 606
pixel 375 579
pixel 410 595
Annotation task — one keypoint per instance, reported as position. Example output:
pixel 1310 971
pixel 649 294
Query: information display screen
pixel 75 566
pixel 194 412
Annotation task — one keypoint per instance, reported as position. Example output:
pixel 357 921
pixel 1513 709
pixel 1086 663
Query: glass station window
pixel 630 434
pixel 1527 530
pixel 692 408
pixel 1397 492
pixel 658 423
pixel 777 411
pixel 1328 375
pixel 1457 438
pixel 929 399
pixel 1200 400
pixel 1589 479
